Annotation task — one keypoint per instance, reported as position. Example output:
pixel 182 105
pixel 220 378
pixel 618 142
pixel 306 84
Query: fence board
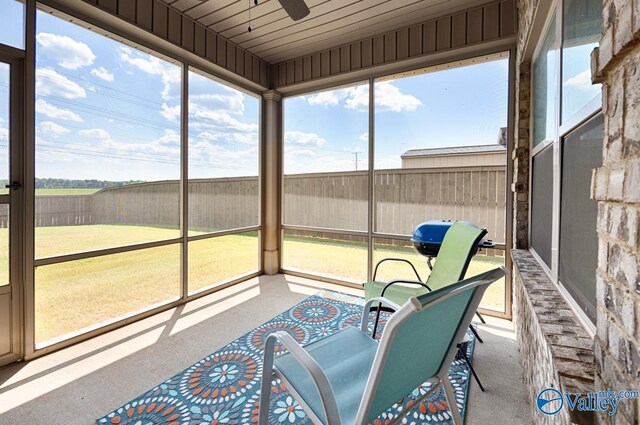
pixel 404 198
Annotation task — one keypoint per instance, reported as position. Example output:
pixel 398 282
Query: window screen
pixel 544 86
pixel 581 24
pixel 581 153
pixel 542 203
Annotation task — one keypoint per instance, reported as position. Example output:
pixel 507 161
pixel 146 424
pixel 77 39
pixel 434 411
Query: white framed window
pixel 566 144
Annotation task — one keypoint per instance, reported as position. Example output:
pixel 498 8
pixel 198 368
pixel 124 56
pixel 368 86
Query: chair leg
pixel 451 401
pixel 265 385
pixel 475 333
pixel 466 359
pixel 375 325
pixel 265 399
pixel 481 318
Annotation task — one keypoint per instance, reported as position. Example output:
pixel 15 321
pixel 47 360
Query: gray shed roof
pixel 458 150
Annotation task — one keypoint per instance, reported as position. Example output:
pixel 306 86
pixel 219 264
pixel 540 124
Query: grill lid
pixel 428 236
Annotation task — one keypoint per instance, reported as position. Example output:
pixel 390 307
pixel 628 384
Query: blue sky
pixel 455 107
pixel 11 30
pixel 112 112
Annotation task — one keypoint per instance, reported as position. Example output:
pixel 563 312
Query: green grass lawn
pixel 65 191
pixel 60 240
pixel 73 295
pixel 348 260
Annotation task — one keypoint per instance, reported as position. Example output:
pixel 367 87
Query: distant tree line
pixel 80 184
pixel 77 184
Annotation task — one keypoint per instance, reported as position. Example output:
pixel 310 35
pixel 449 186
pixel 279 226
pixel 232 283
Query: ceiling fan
pixel 296 9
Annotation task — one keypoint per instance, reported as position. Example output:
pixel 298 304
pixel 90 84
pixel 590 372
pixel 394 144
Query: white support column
pixel 271 172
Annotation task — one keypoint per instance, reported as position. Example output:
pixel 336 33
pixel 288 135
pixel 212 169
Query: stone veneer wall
pixel 616 186
pixel 555 350
pixel 520 154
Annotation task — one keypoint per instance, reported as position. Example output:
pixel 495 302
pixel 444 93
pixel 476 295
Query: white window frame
pixel 560 131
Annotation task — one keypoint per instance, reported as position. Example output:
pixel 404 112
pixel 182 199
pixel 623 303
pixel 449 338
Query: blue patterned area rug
pixel 224 387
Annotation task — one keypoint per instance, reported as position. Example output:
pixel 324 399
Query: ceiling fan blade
pixel 297 9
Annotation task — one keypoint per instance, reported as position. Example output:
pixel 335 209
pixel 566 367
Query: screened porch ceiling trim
pixel 339 36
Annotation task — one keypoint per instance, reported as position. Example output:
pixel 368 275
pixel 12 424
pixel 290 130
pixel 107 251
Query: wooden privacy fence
pixel 222 203
pixel 337 200
pixel 403 199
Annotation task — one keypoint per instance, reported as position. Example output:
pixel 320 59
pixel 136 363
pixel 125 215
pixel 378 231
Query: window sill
pixel 556 351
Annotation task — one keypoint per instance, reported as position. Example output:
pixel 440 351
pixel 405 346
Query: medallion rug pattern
pixel 224 387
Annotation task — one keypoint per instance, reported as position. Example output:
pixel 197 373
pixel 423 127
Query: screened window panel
pixel 224 190
pixel 544 87
pixel 326 159
pixel 582 20
pixel 12 28
pixel 107 142
pixel 542 204
pixel 581 153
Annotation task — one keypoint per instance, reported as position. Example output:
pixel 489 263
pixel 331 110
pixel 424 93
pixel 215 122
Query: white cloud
pixel 387 97
pixel 358 98
pixel 166 147
pixel 95 153
pixel 96 133
pixel 171 113
pixel 170 138
pixel 50 83
pixel 327 98
pixel 45 108
pixel 102 73
pixel 301 138
pixel 234 138
pixel 218 119
pixel 69 53
pixel 233 102
pixel 211 158
pixel 51 129
pixel 4 134
pixel 581 80
pixel 171 74
pixel 364 136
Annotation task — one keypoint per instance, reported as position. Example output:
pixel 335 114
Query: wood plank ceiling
pixel 276 38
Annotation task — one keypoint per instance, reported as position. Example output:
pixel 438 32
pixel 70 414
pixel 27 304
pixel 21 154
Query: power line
pixel 42 147
pixel 356 160
pixel 104 112
pixel 90 83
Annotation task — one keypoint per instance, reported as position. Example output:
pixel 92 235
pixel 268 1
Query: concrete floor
pixel 81 383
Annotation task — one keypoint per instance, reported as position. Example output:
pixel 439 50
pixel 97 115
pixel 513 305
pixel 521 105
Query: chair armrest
pixel 375 271
pixel 309 364
pixel 414 282
pixel 364 325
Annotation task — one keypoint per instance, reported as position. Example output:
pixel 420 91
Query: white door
pixel 10 191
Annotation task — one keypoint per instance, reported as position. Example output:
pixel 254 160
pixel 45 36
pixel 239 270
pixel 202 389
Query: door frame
pixel 15 58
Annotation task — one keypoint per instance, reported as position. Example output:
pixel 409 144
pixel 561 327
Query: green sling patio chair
pixel 349 378
pixel 451 266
